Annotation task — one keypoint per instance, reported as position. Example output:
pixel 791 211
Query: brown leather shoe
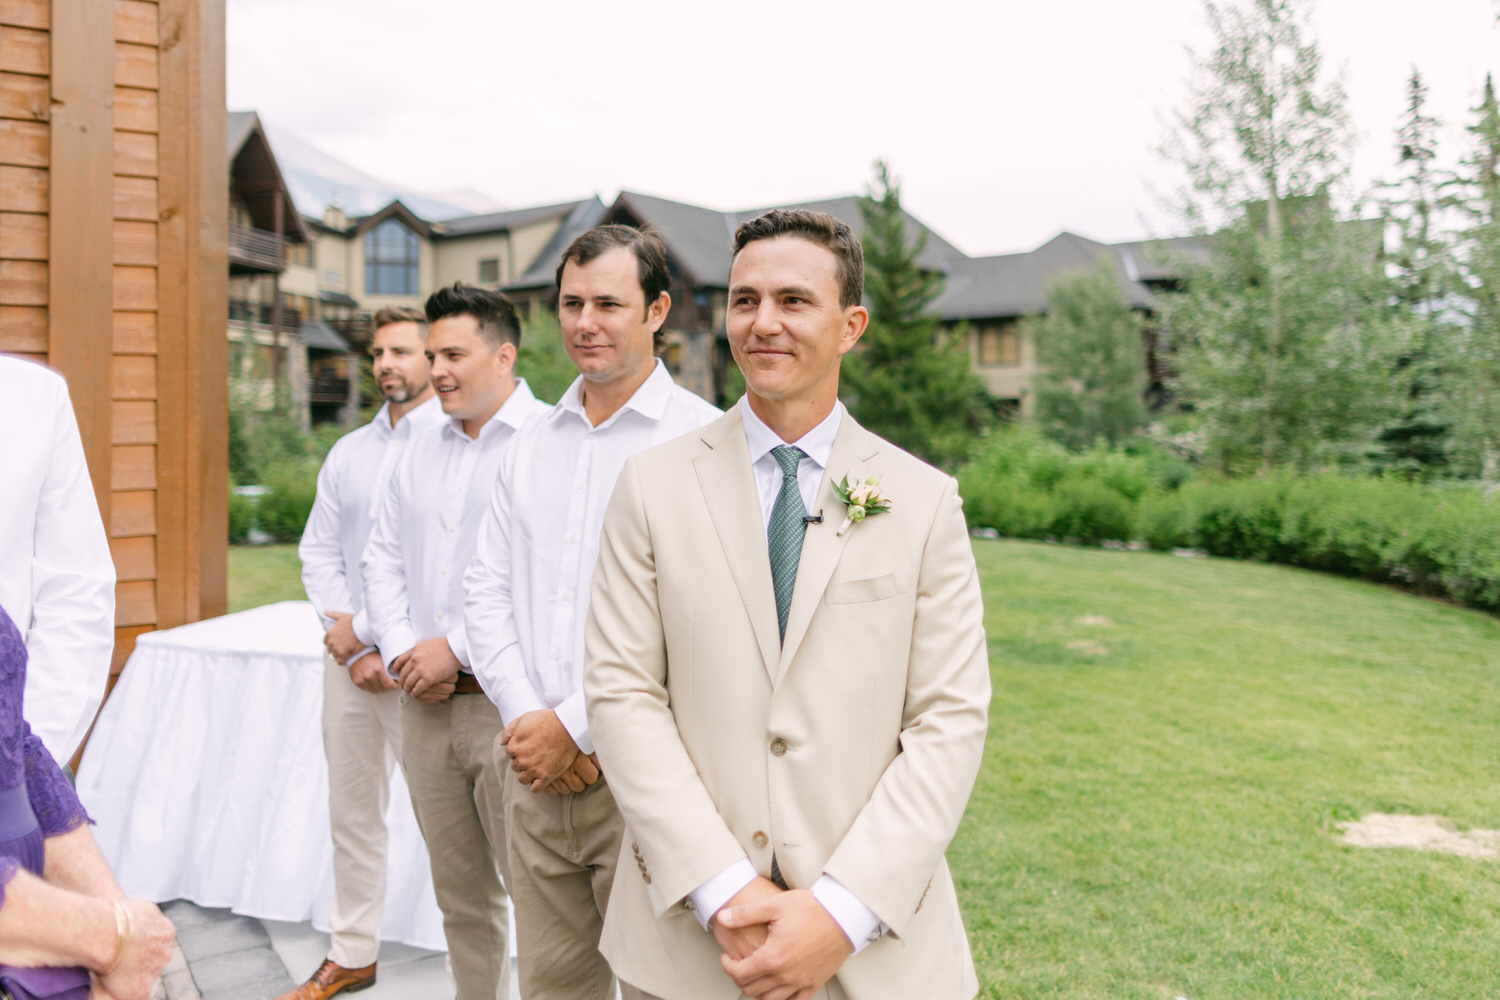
pixel 333 978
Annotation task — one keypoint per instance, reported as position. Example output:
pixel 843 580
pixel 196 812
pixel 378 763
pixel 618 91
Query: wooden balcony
pixel 323 389
pixel 257 314
pixel 255 251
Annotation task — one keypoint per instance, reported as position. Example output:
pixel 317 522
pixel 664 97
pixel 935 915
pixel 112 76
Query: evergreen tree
pixel 907 380
pixel 1286 336
pixel 1091 360
pixel 1475 354
pixel 1415 442
pixel 542 361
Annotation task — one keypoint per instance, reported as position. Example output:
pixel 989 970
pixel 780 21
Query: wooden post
pixel 276 366
pixel 80 229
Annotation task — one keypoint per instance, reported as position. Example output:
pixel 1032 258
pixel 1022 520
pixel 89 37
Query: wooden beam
pixel 193 276
pixel 80 221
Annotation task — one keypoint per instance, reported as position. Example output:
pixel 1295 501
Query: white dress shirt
pixel 351 485
pixel 424 537
pixel 528 585
pixel 57 580
pixel 857 920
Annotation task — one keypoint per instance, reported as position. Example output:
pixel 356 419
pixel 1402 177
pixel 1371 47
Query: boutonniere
pixel 861 499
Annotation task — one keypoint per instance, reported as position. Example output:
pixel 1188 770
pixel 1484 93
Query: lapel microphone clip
pixel 813 518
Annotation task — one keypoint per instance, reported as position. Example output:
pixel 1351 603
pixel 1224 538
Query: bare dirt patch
pixel 1088 647
pixel 1421 833
pixel 1094 621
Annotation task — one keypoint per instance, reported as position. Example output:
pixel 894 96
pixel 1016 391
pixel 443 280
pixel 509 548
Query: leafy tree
pixel 909 381
pixel 1286 336
pixel 543 362
pixel 1090 355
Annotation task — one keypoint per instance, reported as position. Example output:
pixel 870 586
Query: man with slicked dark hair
pixel 413 569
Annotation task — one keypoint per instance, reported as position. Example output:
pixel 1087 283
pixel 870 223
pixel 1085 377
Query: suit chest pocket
pixel 875 588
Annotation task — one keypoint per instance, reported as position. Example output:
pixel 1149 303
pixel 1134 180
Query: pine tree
pixel 1090 355
pixel 1475 357
pixel 1286 337
pixel 907 380
pixel 1418 251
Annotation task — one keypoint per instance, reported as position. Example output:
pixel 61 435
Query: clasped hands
pixel 544 756
pixel 367 672
pixel 778 944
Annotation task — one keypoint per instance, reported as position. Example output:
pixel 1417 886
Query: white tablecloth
pixel 206 776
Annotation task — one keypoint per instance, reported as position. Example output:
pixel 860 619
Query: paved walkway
pixel 228 957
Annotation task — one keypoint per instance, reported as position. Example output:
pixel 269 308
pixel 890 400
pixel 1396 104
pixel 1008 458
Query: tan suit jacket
pixel 850 749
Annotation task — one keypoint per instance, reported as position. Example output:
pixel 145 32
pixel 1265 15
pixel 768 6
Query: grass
pixel 263 574
pixel 1158 820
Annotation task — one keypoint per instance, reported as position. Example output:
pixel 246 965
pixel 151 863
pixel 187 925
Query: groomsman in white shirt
pixel 361 705
pixel 527 600
pixel 57 580
pixel 413 573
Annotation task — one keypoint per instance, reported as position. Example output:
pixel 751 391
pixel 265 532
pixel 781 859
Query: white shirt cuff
pixel 710 897
pixel 858 922
pixel 572 714
pixel 361 626
pixel 397 640
pixel 458 644
pixel 515 699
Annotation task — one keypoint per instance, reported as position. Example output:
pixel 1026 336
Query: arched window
pixel 391 259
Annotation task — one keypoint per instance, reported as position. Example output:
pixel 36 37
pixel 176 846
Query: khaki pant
pixel 458 799
pixel 563 854
pixel 362 741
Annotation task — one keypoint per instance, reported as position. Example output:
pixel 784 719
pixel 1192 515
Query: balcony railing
pixel 255 250
pixel 327 389
pixel 260 314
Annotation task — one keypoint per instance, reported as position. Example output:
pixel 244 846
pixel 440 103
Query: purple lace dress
pixel 36 801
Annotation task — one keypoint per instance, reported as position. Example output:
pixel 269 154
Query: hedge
pixel 1438 539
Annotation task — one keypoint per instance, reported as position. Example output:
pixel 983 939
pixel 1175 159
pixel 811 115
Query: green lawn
pixel 1155 817
pixel 264 574
pixel 1157 821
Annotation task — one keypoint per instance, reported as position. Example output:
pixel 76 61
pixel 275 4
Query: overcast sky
pixel 1008 121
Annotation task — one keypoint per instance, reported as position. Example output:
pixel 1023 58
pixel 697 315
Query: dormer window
pixel 391 254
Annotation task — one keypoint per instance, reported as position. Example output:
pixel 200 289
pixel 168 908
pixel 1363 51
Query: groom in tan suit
pixel 791 709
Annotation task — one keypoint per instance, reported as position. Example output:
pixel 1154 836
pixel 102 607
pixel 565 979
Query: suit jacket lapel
pixel 821 547
pixel 734 504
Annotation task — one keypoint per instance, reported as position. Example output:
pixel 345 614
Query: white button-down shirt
pixel 857 920
pixel 424 537
pixel 528 585
pixel 57 580
pixel 351 485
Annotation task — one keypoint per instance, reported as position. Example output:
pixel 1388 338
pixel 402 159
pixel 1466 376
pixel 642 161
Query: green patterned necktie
pixel 785 531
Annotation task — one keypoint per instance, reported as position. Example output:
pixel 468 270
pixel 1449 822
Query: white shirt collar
pixel 650 400
pixel 422 411
pixel 816 444
pixel 513 412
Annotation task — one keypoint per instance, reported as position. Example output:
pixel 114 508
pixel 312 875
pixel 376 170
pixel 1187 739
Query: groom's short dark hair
pixel 493 311
pixel 821 229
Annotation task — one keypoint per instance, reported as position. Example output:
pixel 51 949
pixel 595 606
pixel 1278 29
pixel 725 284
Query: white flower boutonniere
pixel 861 498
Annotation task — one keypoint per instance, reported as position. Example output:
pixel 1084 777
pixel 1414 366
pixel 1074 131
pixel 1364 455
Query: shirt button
pixel 760 839
pixel 778 746
pixel 440 616
pixel 445 570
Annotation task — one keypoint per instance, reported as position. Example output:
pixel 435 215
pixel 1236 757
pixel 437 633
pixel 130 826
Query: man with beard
pixel 414 565
pixel 361 706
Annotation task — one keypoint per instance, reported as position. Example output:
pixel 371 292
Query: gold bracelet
pixel 123 934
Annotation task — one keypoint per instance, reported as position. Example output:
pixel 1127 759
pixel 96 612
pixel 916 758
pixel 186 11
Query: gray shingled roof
pixel 1016 284
pixel 699 239
pixel 1153 260
pixel 320 336
pixel 585 216
pixel 470 225
pixel 241 124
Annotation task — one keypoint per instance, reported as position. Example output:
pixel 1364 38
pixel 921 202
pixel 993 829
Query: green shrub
pixel 1241 519
pixel 241 518
pixel 1166 520
pixel 1089 511
pixel 283 511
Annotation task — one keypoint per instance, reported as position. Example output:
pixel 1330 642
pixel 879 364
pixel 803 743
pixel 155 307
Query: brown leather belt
pixel 467 684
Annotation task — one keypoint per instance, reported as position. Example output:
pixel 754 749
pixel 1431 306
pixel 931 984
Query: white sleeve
pixel 70 638
pixel 384 572
pixel 323 573
pixel 489 617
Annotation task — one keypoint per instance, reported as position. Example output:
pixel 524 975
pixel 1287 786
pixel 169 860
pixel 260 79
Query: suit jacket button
pixel 760 839
pixel 688 904
pixel 778 746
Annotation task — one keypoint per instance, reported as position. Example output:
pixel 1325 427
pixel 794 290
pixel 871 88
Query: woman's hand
pixel 147 951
